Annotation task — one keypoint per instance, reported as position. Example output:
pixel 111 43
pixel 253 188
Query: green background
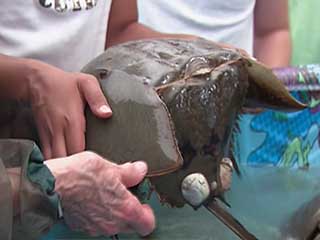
pixel 305 31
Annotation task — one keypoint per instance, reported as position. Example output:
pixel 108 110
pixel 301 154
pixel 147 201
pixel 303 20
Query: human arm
pixel 272 43
pixel 95 198
pixel 57 99
pixel 29 205
pixel 123 25
pixel 92 191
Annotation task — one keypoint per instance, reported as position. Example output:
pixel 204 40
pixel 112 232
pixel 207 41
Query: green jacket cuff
pixel 38 203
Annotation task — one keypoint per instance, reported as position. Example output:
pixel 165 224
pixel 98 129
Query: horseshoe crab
pixel 175 105
pixel 198 90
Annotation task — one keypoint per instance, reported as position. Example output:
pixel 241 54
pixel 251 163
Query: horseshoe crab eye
pixel 195 189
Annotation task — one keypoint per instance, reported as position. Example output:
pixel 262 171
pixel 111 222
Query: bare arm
pixel 57 99
pixel 272 43
pixel 123 25
pixel 14 77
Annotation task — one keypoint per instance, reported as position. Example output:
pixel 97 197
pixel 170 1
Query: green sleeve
pixel 38 203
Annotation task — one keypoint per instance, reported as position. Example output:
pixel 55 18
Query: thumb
pixel 133 173
pixel 90 88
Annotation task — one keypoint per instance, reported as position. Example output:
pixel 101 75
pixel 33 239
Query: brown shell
pixel 140 128
pixel 204 88
pixel 169 97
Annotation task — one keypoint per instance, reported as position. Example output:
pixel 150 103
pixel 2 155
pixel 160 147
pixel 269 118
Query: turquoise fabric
pixel 38 203
pixel 39 174
pixel 289 140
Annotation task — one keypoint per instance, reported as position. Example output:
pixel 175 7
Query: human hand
pixel 58 99
pixel 95 198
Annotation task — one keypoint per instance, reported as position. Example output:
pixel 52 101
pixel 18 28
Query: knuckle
pixel 86 78
pixel 91 158
pixel 90 154
pixel 131 209
pixel 94 161
pixel 99 162
pixel 113 174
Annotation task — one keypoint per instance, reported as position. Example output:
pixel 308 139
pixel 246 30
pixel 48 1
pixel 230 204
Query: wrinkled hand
pixel 95 198
pixel 58 99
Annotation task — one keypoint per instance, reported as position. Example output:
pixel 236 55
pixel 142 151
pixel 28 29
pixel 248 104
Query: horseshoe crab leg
pixel 196 191
pixel 231 222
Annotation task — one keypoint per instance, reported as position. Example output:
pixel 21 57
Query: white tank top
pixel 64 33
pixel 229 21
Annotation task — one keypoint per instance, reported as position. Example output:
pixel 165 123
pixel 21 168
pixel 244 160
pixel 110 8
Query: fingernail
pixel 141 167
pixel 105 109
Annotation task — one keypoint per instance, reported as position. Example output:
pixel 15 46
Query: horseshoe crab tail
pixel 267 91
pixel 232 223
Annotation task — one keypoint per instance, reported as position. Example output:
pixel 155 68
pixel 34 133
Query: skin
pixel 61 124
pixel 272 43
pixel 58 136
pixel 107 207
pixel 123 25
pixel 57 99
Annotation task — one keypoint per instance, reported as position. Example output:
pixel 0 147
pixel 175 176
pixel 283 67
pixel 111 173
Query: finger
pixel 90 88
pixel 45 143
pixel 148 221
pixel 133 173
pixel 75 136
pixel 142 219
pixel 58 144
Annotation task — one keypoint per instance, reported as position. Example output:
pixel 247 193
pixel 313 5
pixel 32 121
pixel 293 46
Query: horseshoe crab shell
pixel 175 105
pixel 139 129
pixel 203 87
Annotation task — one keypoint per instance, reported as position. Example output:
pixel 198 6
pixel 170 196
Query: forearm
pixel 272 43
pixel 123 25
pixel 273 49
pixel 12 77
pixel 136 31
pixel 15 76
